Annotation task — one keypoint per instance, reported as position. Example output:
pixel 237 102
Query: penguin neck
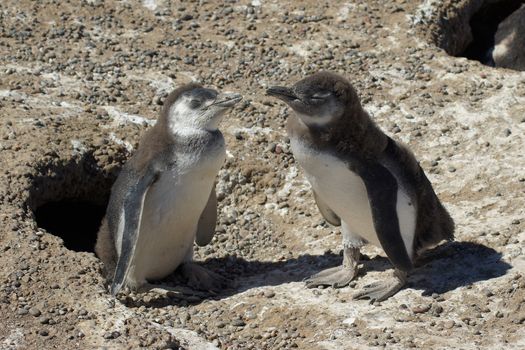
pixel 352 134
pixel 179 131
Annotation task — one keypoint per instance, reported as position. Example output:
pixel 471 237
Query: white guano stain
pixel 128 146
pixel 122 118
pixel 150 4
pixel 14 340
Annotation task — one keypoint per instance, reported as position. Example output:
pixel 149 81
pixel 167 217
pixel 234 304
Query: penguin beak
pixel 227 99
pixel 281 92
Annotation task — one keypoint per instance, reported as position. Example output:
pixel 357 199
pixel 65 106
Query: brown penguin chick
pixel 164 198
pixel 509 49
pixel 362 180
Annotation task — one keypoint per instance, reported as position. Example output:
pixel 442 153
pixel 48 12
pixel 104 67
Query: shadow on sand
pixel 439 270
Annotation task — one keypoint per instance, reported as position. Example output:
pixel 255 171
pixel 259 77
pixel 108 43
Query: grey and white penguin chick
pixel 509 49
pixel 362 180
pixel 164 198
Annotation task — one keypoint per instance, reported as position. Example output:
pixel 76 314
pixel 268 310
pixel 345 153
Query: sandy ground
pixel 80 81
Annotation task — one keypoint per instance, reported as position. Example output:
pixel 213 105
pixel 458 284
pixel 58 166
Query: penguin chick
pixel 164 198
pixel 362 180
pixel 509 49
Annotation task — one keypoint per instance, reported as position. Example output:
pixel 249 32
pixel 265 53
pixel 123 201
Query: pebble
pixel 238 323
pixel 35 312
pixel 419 309
pixel 437 310
pixel 448 324
pixel 238 56
pixel 269 293
pixel 112 335
pixel 22 312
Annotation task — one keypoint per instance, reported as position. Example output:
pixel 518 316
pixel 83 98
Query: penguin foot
pixel 202 278
pixel 382 290
pixel 169 291
pixel 337 277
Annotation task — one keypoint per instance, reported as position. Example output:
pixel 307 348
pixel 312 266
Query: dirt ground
pixel 81 80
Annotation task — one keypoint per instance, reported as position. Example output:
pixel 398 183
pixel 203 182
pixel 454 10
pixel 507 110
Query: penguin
pixel 509 49
pixel 362 180
pixel 164 197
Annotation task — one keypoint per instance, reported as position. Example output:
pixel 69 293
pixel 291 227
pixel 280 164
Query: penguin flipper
pixel 327 213
pixel 207 221
pixel 129 222
pixel 381 187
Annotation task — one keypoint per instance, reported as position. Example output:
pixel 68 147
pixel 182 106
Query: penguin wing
pixel 381 187
pixel 129 218
pixel 207 221
pixel 327 213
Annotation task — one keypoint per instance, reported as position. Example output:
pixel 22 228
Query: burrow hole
pixel 471 31
pixel 69 199
pixel 75 221
pixel 484 24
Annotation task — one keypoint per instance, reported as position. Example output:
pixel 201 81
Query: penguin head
pixel 319 99
pixel 193 106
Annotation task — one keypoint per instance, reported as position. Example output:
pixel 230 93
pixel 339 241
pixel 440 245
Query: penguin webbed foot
pixel 180 292
pixel 203 279
pixel 382 290
pixel 339 276
pixel 336 277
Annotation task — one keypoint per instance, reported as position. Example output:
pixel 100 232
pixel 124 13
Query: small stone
pixel 437 310
pixel 419 309
pixel 34 312
pixel 22 312
pixel 449 324
pixel 112 335
pixel 269 294
pixel 261 199
pixel 43 332
pixel 238 323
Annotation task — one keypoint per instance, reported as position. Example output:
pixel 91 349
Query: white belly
pixel 345 193
pixel 172 209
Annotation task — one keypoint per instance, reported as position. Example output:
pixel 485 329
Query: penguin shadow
pixel 446 267
pixel 241 275
pixel 438 270
pixel 456 264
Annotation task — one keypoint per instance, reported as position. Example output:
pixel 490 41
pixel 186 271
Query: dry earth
pixel 80 81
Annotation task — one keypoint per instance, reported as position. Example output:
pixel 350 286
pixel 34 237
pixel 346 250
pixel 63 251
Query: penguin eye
pixel 320 96
pixel 195 103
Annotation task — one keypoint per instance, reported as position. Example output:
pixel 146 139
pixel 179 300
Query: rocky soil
pixel 81 80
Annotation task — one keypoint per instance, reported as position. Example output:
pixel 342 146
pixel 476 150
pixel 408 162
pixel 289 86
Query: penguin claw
pixel 380 290
pixel 336 277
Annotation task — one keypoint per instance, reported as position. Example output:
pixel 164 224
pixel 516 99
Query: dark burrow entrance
pixel 488 31
pixel 69 198
pixel 484 24
pixel 76 222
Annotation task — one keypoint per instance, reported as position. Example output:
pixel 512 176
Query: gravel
pixel 82 80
